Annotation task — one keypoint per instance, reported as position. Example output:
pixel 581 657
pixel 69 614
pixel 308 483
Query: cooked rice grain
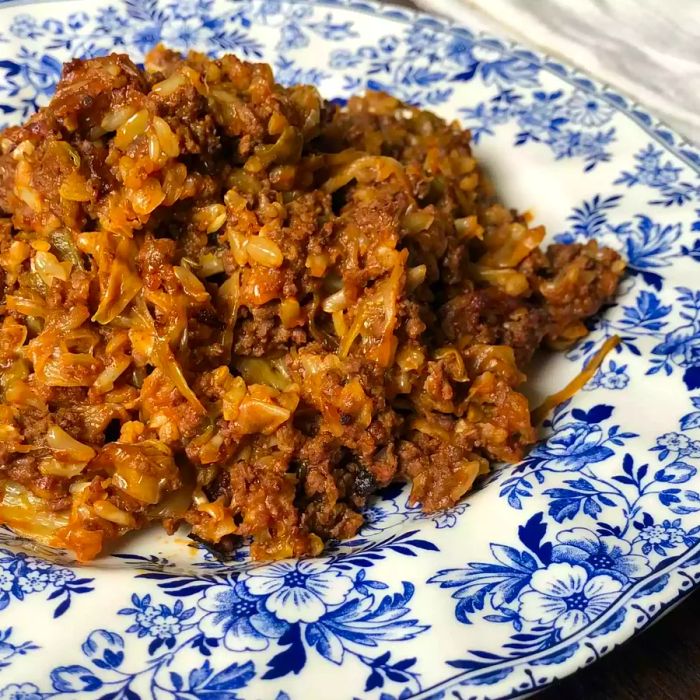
pixel 234 305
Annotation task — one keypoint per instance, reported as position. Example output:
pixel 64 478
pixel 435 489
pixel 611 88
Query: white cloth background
pixel 648 49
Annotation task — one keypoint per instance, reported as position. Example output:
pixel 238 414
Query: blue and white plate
pixel 552 563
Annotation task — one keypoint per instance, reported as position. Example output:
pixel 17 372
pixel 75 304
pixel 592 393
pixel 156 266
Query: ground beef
pixel 234 305
pixel 492 317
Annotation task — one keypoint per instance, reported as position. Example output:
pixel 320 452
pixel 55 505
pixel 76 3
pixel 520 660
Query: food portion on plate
pixel 236 305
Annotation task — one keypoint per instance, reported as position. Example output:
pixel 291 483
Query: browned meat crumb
pixel 232 304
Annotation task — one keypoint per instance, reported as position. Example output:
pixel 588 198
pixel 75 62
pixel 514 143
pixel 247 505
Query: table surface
pixel 661 664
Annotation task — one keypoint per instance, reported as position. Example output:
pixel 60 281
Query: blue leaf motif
pixel 678 338
pixel 74 679
pixel 511 557
pixel 531 535
pixel 628 465
pixel 62 607
pixel 655 585
pixel 326 643
pixel 590 218
pixel 374 680
pixel 292 659
pixel 612 623
pixel 691 377
pixel 650 245
pixel 691 421
pixel 104 648
pixel 492 677
pixel 648 312
pixel 681 501
pixel 234 677
pixel 558 656
pixel 591 507
pixel 676 473
pixel 477 580
pixel 424 77
pixel 176 680
pixel 581 485
pixel 597 414
pixel 566 503
pixel 572 446
pixel 198 676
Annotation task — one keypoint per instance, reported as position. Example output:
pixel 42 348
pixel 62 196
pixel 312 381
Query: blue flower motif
pixel 299 591
pixel 588 111
pixel 20 691
pixel 659 537
pixel 161 622
pixel 572 447
pixel 54 26
pixel 443 519
pixel 77 20
pixel 613 380
pixel 104 648
pixel 421 37
pixel 33 582
pixel 389 44
pixel 7 580
pixel 651 171
pixel 188 33
pixel 591 146
pixel 59 576
pixel 566 597
pixel 24 27
pixel 648 159
pixel 144 618
pixel 292 37
pixel 344 58
pixel 74 679
pixel 165 625
pixel 673 442
pixel 147 36
pixel 543 118
pixel 42 74
pixel 238 617
pixel 381 516
pixel 682 346
pixel 600 555
pixel 22 575
pixel 491 60
pixel 187 9
pixel 111 21
pixel 34 564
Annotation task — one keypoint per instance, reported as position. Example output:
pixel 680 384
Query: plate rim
pixel 671 142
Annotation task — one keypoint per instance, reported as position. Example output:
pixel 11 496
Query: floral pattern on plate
pixel 548 564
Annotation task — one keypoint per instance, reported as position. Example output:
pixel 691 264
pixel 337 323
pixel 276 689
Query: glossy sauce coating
pixel 234 304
